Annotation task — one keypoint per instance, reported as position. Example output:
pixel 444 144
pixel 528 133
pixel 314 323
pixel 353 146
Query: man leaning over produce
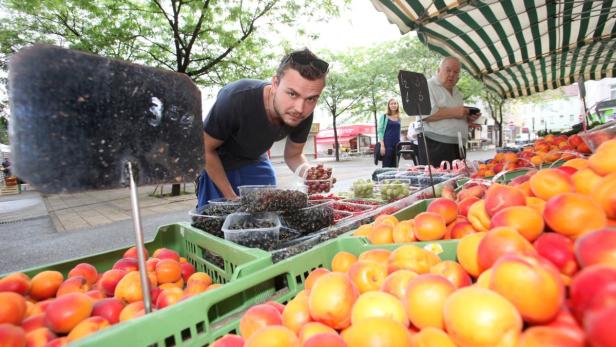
pixel 249 116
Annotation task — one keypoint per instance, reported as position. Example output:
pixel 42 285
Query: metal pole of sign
pixel 423 138
pixel 582 91
pixel 134 203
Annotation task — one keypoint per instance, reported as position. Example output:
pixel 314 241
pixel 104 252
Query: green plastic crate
pixel 224 261
pixel 190 323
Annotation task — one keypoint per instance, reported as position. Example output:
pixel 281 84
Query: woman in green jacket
pixel 388 133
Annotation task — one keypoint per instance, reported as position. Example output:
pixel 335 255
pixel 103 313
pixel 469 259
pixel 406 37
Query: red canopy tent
pixel 345 134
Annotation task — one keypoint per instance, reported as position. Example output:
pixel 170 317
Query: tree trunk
pixel 336 144
pixel 175 189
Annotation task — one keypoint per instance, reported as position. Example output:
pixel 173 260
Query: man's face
pixel 295 97
pixel 449 73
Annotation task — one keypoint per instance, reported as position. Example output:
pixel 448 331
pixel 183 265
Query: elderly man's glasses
pixel 303 58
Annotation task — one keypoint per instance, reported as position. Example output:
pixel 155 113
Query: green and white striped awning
pixel 516 47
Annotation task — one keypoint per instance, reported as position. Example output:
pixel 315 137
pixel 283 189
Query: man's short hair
pixel 446 59
pixel 305 62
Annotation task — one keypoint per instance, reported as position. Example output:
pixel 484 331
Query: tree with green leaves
pixel 343 90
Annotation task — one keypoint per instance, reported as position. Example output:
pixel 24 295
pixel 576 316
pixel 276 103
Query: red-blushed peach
pixel 12 308
pixel 65 312
pixel 127 264
pixel 72 285
pixel 257 317
pixel 131 311
pixel 150 264
pixel 566 323
pixel 165 253
pixel 87 271
pixel 462 228
pixel 430 226
pixel 500 196
pixel 109 309
pixel 168 270
pixel 586 285
pixel 536 204
pixel 377 331
pixel 39 307
pixel 312 328
pixel 559 250
pixel 229 341
pixel 532 284
pixel 547 183
pixel 597 247
pixel 273 336
pixel 378 255
pixel 34 322
pixel 199 277
pixel 12 336
pixel 452 271
pixel 543 336
pixel 45 284
pixel 465 205
pixel 573 214
pixel 109 280
pixel 585 181
pixel 425 298
pixel 129 287
pixel 367 275
pixel 470 310
pixel 296 313
pixel 187 270
pixel 132 253
pixel 96 295
pixel 378 304
pixel 195 288
pixel 169 297
pixel 526 220
pixel 499 241
pixel 604 192
pixel 381 234
pixel 404 232
pixel 430 336
pixel 447 208
pixel 397 282
pixel 468 191
pixel 58 342
pixel 478 216
pixel 88 327
pixel 318 272
pixel 16 282
pixel 331 300
pixel 39 337
pixel 413 258
pixel 599 327
pixel 325 339
pixel 276 305
pixel 603 161
pixel 466 253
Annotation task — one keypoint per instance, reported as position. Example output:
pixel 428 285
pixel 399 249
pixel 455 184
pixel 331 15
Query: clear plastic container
pixel 596 136
pixel 341 216
pixel 316 216
pixel 258 230
pixel 223 206
pixel 367 202
pixel 319 186
pixel 271 199
pixel 210 223
pixel 354 209
pixel 292 247
pixel 392 190
pixel 363 188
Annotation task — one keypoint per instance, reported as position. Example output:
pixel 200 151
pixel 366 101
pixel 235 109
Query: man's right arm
pixel 214 168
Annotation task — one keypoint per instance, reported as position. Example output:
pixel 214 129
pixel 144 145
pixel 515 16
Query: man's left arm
pixel 293 154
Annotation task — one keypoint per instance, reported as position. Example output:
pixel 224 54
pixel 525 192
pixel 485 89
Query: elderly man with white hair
pixel 449 119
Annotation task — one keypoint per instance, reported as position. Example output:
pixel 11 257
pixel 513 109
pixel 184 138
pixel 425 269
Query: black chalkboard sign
pixel 414 93
pixel 77 118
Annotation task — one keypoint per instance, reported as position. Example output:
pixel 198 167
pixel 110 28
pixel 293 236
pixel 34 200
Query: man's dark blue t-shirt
pixel 238 118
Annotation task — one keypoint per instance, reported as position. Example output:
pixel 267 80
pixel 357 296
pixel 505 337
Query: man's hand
pixel 473 117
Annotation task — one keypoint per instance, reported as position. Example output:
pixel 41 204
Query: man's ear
pixel 275 81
